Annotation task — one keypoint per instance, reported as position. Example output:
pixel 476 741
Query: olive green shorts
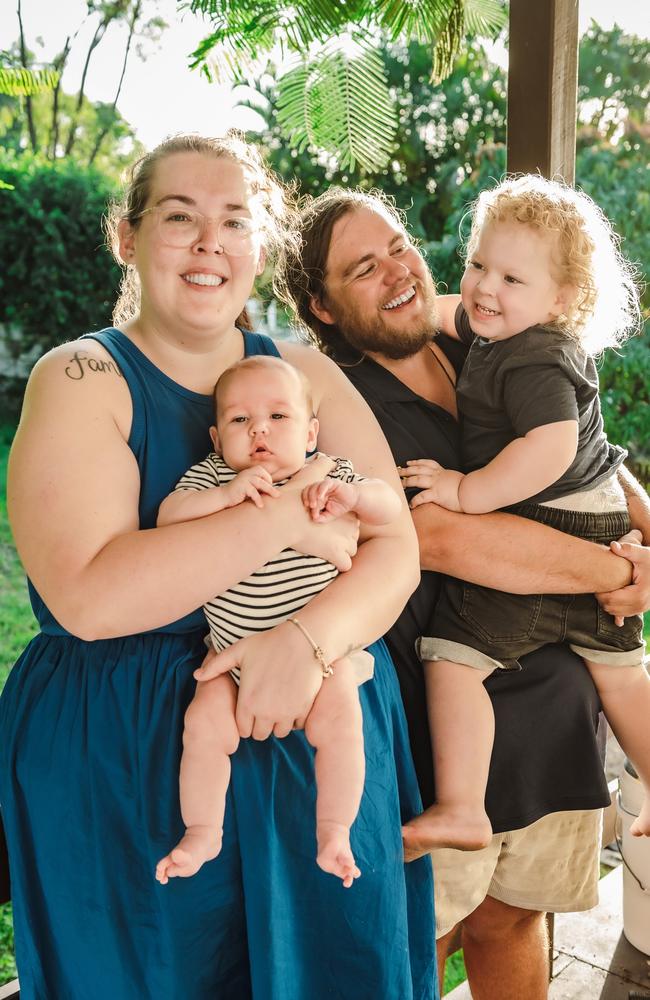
pixel 489 629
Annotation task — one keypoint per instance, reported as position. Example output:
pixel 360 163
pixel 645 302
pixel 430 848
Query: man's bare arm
pixel 514 554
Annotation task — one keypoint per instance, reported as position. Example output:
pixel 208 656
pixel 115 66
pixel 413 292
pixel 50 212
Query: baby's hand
pixel 250 484
pixel 329 499
pixel 438 485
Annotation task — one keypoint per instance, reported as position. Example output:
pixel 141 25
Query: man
pixel 365 295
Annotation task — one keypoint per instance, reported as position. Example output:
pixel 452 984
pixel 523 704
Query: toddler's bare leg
pixel 209 738
pixel 462 733
pixel 625 694
pixel 334 727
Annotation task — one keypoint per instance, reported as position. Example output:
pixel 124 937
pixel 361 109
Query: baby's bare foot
pixel 334 853
pixel 464 829
pixel 200 844
pixel 641 825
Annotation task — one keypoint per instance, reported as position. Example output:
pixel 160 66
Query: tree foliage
pixel 24 82
pixel 336 95
pixel 614 83
pixel 56 124
pixel 57 280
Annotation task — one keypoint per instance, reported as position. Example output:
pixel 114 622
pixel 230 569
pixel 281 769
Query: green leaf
pixel 19 82
pixel 339 102
pixel 485 17
pixel 419 20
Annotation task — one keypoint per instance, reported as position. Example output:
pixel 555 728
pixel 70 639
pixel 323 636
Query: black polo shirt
pixel 547 756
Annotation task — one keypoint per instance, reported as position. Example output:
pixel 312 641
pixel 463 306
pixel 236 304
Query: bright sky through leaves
pixel 162 95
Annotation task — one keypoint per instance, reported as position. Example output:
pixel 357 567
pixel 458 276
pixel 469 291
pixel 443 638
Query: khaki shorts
pixel 551 865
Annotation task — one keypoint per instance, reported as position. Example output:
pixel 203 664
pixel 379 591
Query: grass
pixel 454 972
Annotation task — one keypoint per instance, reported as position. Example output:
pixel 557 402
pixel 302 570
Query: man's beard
pixel 375 336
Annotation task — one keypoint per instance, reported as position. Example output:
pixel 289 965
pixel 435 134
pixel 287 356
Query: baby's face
pixel 508 284
pixel 263 419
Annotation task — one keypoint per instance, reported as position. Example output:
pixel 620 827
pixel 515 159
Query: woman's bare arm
pixel 73 491
pixel 361 605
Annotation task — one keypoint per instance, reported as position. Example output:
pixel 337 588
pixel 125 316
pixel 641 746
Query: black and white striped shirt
pixel 273 593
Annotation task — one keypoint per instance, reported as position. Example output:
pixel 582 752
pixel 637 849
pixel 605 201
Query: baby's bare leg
pixel 625 694
pixel 462 733
pixel 334 727
pixel 209 738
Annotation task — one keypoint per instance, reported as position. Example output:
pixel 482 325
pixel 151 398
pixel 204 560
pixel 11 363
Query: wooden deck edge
pixel 10 991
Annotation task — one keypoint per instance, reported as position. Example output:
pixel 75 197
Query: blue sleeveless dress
pixel 89 758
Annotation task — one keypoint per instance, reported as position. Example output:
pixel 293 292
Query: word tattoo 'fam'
pixel 76 370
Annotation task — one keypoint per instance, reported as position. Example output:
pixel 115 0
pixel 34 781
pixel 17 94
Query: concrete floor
pixel 592 960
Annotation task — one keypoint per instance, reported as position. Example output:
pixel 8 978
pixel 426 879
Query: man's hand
pixel 329 499
pixel 250 484
pixel 635 598
pixel 438 485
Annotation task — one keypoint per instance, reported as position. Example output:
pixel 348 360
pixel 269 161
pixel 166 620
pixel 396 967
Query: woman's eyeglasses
pixel 180 228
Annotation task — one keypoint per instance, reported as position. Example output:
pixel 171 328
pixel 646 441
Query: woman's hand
pixel 280 677
pixel 635 598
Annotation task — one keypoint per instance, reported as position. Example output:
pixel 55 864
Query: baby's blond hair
pixel 586 256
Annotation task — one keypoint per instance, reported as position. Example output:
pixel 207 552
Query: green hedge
pixel 57 280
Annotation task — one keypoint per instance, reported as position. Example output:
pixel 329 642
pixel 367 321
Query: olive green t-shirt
pixel 538 377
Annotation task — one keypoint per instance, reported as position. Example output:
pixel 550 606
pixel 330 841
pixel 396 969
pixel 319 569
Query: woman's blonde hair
pixel 274 200
pixel 587 256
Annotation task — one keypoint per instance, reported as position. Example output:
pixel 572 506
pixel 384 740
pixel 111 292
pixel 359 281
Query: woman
pixel 92 713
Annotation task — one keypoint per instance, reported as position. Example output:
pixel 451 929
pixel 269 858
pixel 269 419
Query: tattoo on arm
pixel 81 363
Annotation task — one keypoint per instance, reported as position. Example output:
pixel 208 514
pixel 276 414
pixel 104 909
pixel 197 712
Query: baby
pixel 545 289
pixel 264 428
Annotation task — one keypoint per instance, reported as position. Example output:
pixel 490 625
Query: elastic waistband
pixel 603 528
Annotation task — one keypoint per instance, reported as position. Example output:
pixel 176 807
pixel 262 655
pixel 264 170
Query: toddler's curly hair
pixel 586 255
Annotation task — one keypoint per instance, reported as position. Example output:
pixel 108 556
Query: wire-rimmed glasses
pixel 178 227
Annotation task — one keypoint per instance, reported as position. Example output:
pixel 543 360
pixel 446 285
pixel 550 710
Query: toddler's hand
pixel 329 499
pixel 438 485
pixel 250 484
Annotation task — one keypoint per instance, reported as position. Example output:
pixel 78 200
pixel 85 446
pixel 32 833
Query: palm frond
pixel 485 17
pixel 19 82
pixel 256 25
pixel 339 102
pixel 448 42
pixel 232 55
pixel 421 20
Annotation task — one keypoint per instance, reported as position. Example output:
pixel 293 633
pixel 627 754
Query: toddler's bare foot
pixel 334 853
pixel 200 844
pixel 641 825
pixel 465 829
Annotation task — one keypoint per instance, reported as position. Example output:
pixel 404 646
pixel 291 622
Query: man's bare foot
pixel 334 853
pixel 200 844
pixel 641 825
pixel 438 826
